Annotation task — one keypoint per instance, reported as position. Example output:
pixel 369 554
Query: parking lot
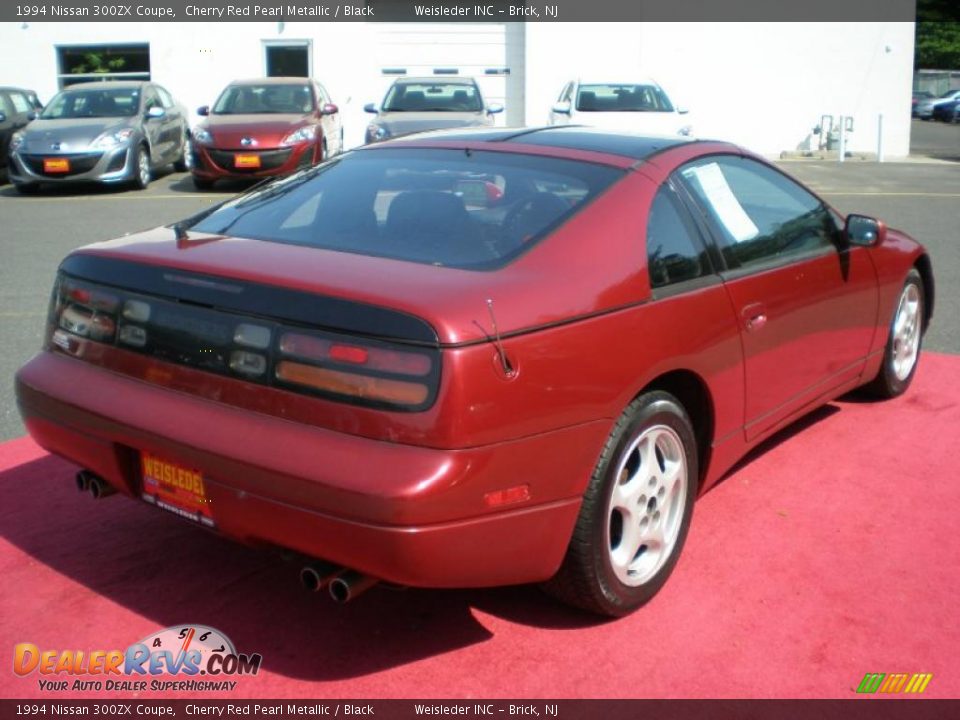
pixel 921 197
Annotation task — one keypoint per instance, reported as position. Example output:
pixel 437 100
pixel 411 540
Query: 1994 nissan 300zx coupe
pixel 472 358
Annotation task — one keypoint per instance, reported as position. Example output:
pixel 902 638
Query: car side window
pixel 674 252
pixel 322 96
pixel 565 93
pixel 165 98
pixel 20 102
pixel 150 99
pixel 5 105
pixel 759 214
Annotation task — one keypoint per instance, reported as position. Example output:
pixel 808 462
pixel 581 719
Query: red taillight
pixel 366 387
pixel 317 349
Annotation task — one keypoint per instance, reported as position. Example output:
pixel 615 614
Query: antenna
pixel 501 353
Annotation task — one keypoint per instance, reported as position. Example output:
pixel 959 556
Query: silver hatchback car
pixel 108 132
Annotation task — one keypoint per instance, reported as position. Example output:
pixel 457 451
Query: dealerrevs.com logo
pixel 182 657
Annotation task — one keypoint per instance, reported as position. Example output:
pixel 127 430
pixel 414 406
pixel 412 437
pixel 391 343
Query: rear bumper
pixel 406 514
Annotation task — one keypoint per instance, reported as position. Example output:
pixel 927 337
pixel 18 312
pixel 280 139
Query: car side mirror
pixel 562 108
pixel 370 108
pixel 155 113
pixel 494 108
pixel 203 111
pixel 33 115
pixel 3 116
pixel 329 109
pixel 864 231
pixel 682 110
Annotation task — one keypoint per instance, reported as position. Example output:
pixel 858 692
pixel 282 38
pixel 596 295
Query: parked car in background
pixel 925 108
pixel 416 104
pixel 946 111
pixel 638 106
pixel 417 364
pixel 17 108
pixel 107 132
pixel 918 96
pixel 265 127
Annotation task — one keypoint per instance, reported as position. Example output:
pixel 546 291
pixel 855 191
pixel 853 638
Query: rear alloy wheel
pixel 636 511
pixel 902 353
pixel 186 158
pixel 141 178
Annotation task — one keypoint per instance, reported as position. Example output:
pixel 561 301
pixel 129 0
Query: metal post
pixel 880 138
pixel 843 139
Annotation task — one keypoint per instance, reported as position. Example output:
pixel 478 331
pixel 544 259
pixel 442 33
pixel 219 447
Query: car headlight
pixel 202 136
pixel 307 133
pixel 112 139
pixel 16 140
pixel 377 132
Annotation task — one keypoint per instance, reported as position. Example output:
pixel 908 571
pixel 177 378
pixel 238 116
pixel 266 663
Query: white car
pixel 641 106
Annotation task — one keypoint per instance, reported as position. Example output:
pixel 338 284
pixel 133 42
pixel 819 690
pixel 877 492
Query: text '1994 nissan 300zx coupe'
pixel 472 358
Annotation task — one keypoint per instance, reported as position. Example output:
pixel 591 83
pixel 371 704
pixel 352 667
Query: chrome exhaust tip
pixel 99 488
pixel 316 576
pixel 350 585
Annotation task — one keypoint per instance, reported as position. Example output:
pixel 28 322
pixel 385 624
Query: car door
pixel 174 124
pixel 565 95
pixel 329 123
pixel 807 304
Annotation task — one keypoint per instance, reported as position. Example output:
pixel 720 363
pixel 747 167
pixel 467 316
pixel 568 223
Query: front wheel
pixel 183 163
pixel 635 513
pixel 902 353
pixel 142 173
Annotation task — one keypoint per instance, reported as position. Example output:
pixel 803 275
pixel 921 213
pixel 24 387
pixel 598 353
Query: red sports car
pixel 265 127
pixel 472 358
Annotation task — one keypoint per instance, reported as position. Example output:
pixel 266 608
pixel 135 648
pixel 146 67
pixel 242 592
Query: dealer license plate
pixel 246 161
pixel 56 165
pixel 175 488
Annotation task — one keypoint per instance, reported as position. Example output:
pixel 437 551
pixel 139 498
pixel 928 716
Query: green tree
pixel 98 62
pixel 938 35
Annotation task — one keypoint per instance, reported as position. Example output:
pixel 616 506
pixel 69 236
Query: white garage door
pixel 493 53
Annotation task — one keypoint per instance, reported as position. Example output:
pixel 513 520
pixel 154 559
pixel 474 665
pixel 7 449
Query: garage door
pixel 493 53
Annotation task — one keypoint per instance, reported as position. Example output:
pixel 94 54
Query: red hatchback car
pixel 265 127
pixel 472 358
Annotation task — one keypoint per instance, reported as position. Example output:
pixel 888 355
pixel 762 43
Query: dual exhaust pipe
pixel 342 584
pixel 94 484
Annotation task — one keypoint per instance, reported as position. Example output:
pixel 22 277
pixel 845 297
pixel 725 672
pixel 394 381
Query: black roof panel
pixel 575 137
pixel 571 137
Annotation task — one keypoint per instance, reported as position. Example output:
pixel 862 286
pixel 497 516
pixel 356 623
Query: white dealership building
pixel 763 85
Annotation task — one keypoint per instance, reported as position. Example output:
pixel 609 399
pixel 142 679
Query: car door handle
pixel 754 316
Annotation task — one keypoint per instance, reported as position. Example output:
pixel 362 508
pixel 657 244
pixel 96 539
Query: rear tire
pixel 184 162
pixel 635 513
pixel 902 353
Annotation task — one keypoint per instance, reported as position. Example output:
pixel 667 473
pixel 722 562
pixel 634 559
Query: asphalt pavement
pixel 921 197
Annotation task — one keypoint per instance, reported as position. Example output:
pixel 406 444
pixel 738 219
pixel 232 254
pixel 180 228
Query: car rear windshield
pixel 432 97
pixel 622 98
pixel 264 99
pixel 454 208
pixel 105 102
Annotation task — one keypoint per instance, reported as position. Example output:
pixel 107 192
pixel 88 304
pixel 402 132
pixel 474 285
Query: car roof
pixel 122 84
pixel 17 89
pixel 435 79
pixel 632 81
pixel 631 145
pixel 271 81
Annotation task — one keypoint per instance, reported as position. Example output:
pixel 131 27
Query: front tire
pixel 142 170
pixel 202 183
pixel 183 163
pixel 27 188
pixel 635 513
pixel 902 353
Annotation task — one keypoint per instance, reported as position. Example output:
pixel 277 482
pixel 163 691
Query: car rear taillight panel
pixel 362 370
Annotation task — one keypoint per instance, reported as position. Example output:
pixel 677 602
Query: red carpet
pixel 831 553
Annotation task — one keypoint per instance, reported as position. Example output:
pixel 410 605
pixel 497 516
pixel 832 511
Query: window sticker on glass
pixel 717 191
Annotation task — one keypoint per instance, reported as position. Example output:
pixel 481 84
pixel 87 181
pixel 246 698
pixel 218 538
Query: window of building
pixel 86 63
